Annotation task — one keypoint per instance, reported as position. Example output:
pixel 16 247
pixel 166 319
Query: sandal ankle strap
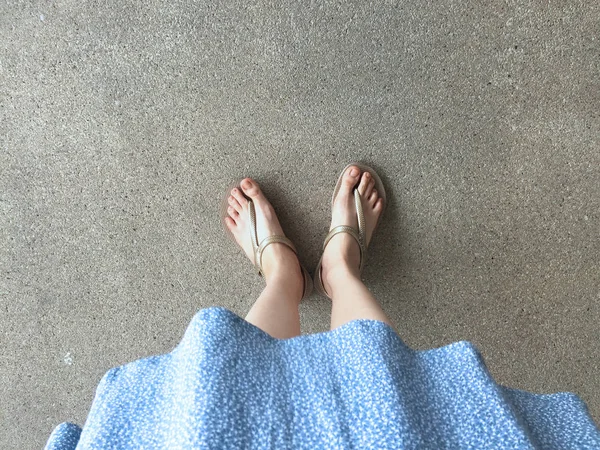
pixel 274 239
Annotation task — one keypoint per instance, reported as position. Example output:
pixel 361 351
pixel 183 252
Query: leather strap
pixel 253 233
pixel 362 229
pixel 358 235
pixel 259 248
pixel 274 239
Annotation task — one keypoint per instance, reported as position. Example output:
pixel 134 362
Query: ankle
pixel 278 260
pixel 290 272
pixel 283 267
pixel 339 275
pixel 289 280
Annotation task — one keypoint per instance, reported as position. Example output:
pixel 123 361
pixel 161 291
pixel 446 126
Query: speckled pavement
pixel 122 123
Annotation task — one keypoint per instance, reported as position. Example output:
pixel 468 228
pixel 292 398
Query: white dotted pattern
pixel 228 385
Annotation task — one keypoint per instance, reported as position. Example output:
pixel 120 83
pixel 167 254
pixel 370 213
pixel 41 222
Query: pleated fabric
pixel 229 385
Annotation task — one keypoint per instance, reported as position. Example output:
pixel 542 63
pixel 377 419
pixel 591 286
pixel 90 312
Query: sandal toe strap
pixel 259 248
pixel 359 234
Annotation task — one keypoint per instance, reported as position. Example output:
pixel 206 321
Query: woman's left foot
pixel 342 253
pixel 277 259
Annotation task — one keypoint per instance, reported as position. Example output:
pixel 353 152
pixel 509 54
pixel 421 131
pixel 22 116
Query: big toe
pixel 350 178
pixel 251 188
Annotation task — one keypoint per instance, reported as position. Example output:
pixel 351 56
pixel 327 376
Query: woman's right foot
pixel 342 253
pixel 278 259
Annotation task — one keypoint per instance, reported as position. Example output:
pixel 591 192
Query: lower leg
pixel 276 309
pixel 350 298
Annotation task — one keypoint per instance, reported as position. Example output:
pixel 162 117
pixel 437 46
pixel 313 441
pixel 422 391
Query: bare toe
pixel 251 189
pixel 230 224
pixel 364 183
pixel 232 213
pixel 369 188
pixel 350 178
pixel 239 196
pixel 373 197
pixel 233 203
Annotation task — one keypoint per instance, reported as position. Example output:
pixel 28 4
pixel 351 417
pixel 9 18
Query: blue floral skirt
pixel 229 385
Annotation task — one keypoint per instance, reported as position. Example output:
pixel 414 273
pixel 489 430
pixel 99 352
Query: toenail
pixel 353 172
pixel 367 174
pixel 247 184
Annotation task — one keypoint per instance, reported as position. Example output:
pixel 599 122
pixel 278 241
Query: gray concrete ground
pixel 122 124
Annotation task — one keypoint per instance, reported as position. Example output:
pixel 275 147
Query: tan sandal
pixel 358 234
pixel 259 247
